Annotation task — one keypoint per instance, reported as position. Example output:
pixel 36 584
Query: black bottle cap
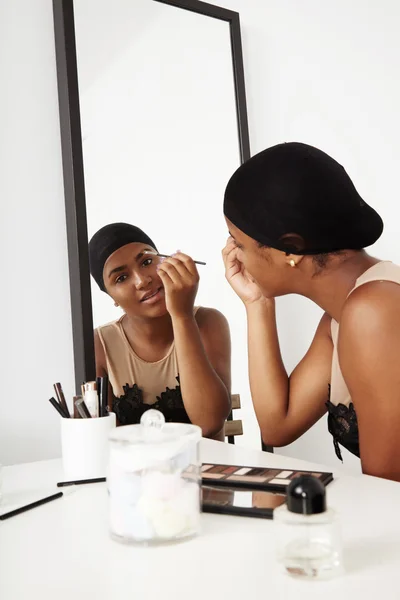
pixel 306 496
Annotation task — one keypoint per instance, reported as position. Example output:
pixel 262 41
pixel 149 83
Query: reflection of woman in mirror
pixel 219 496
pixel 223 497
pixel 163 353
pixel 298 226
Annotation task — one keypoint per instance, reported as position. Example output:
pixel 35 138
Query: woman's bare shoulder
pixel 206 317
pixel 372 305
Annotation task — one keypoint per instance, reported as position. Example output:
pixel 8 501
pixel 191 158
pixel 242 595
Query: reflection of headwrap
pixel 107 240
pixel 297 189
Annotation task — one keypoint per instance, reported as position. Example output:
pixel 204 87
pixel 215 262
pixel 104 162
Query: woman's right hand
pixel 237 276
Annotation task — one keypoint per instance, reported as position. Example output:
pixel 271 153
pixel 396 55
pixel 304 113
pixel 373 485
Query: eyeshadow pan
pixel 205 468
pixel 249 479
pixel 229 470
pixel 284 474
pixel 243 471
pixel 271 473
pixel 298 473
pixel 318 475
pixel 257 471
pixel 213 475
pixel 279 481
pixel 218 468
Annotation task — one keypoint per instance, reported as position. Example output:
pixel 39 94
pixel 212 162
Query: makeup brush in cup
pixel 59 408
pixel 81 407
pixel 61 398
pixel 197 262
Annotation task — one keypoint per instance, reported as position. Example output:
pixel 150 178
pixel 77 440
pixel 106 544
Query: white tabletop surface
pixel 62 550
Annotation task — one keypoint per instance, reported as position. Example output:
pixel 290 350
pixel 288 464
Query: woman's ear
pixel 293 242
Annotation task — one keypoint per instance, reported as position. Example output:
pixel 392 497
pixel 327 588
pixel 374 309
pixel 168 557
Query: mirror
pixel 153 123
pixel 159 130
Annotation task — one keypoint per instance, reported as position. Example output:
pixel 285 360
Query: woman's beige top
pixel 342 418
pixel 382 271
pixel 125 367
pixel 137 384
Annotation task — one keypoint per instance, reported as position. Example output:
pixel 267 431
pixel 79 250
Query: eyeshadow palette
pixel 261 478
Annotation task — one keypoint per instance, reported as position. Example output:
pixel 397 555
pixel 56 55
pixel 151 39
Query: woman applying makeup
pixel 163 352
pixel 298 226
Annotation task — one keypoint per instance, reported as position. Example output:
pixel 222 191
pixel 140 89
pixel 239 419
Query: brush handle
pixel 82 408
pixel 104 396
pixel 80 482
pixel 18 511
pixel 61 398
pixel 196 262
pixel 99 383
pixel 58 407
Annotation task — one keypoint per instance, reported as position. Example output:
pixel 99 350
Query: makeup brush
pixel 58 408
pixel 61 398
pixel 99 382
pixel 197 262
pixel 81 407
pixel 104 396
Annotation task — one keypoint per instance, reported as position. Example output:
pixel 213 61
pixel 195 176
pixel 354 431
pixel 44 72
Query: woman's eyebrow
pixel 141 253
pixel 117 270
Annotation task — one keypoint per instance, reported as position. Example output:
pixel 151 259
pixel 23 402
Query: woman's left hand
pixel 180 279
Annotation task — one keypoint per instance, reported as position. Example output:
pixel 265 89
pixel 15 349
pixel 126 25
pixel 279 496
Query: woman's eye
pixel 147 262
pixel 120 279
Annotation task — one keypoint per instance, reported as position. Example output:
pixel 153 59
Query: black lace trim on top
pixel 130 407
pixel 343 426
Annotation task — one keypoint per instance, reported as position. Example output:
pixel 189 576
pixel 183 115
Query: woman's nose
pixel 141 280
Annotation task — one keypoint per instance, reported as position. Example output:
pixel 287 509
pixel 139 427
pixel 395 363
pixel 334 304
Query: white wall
pixel 319 72
pixel 36 341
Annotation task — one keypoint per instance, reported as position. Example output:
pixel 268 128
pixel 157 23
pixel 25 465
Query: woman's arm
pixel 204 368
pixel 285 406
pixel 369 357
pixel 203 347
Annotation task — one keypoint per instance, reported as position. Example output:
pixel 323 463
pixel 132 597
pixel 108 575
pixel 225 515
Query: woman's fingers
pixel 180 268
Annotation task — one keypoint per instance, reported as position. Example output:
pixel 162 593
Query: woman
pixel 298 226
pixel 162 353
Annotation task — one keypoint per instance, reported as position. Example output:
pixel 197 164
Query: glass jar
pixel 308 535
pixel 154 481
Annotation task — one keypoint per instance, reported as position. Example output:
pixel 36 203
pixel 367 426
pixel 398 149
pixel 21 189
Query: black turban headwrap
pixel 297 189
pixel 109 239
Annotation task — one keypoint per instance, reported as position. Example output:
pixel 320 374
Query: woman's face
pixel 268 267
pixel 131 279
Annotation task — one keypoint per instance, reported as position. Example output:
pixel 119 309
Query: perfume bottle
pixel 308 535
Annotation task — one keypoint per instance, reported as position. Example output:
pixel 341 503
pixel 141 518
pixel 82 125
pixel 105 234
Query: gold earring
pixel 292 263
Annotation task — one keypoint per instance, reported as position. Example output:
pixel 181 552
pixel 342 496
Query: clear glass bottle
pixel 308 535
pixel 154 481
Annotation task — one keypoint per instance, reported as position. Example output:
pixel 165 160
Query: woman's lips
pixel 155 297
